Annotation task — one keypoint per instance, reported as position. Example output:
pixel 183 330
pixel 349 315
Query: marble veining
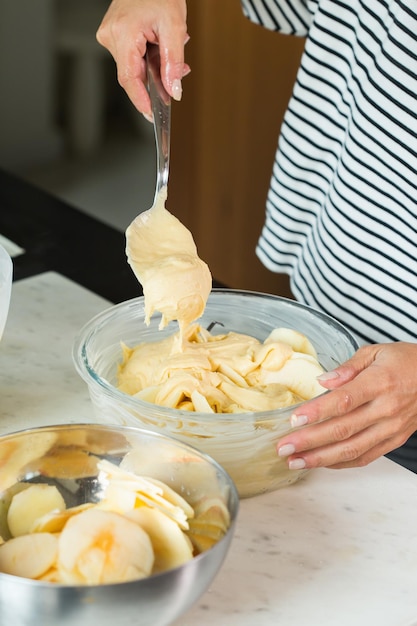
pixel 336 549
pixel 38 382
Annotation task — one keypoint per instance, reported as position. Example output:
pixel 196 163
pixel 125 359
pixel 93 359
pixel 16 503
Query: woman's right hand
pixel 126 29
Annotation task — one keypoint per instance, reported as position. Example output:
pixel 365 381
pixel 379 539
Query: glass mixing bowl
pixel 245 443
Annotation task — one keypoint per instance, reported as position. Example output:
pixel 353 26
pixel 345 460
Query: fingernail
pixel 297 464
pixel 298 420
pixel 286 450
pixel 328 376
pixel 176 89
pixel 148 117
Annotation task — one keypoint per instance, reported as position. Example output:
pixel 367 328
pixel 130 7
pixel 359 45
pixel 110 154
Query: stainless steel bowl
pixel 48 453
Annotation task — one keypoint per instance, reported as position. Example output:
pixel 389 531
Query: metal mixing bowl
pixel 66 456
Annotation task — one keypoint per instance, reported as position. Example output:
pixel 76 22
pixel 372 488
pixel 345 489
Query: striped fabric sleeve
pixel 341 214
pixel 291 17
pixel 342 207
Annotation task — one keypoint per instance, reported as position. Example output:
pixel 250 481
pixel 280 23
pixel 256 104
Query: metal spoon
pixel 145 232
pixel 161 250
pixel 161 109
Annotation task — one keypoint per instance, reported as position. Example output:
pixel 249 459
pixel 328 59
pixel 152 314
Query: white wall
pixel 27 133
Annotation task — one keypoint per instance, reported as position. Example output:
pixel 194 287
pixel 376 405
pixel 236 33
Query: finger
pixel 349 442
pixel 131 74
pixel 368 457
pixel 134 85
pixel 323 434
pixel 172 37
pixel 347 453
pixel 363 358
pixel 335 403
pixel 344 456
pixel 339 418
pixel 129 59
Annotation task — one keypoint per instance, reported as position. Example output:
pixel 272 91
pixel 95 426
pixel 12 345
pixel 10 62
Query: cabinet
pixel 224 136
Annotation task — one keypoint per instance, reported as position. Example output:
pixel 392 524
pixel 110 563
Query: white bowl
pixel 6 273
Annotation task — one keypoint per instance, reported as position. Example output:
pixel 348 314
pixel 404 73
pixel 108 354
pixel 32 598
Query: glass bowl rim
pixel 90 376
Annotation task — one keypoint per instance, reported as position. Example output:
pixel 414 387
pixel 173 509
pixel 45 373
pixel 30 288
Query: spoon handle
pixel 161 109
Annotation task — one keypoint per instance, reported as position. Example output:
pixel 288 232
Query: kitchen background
pixel 67 126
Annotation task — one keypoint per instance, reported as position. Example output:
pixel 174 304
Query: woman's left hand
pixel 371 410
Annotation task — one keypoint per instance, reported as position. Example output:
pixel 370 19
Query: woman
pixel 341 214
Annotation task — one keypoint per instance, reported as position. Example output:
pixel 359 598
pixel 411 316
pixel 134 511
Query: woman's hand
pixel 371 409
pixel 125 30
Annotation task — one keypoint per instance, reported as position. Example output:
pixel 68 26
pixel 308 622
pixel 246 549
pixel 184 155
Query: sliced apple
pixel 29 556
pixel 148 491
pixel 29 505
pixel 171 546
pixel 55 521
pixel 293 338
pixel 210 524
pixel 99 546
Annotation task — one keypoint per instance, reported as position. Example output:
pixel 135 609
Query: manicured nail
pixel 298 420
pixel 176 89
pixel 328 376
pixel 286 450
pixel 297 464
pixel 148 117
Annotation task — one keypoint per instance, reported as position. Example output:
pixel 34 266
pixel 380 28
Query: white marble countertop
pixel 337 549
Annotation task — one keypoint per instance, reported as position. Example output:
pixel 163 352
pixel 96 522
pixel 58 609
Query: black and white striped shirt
pixel 341 214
